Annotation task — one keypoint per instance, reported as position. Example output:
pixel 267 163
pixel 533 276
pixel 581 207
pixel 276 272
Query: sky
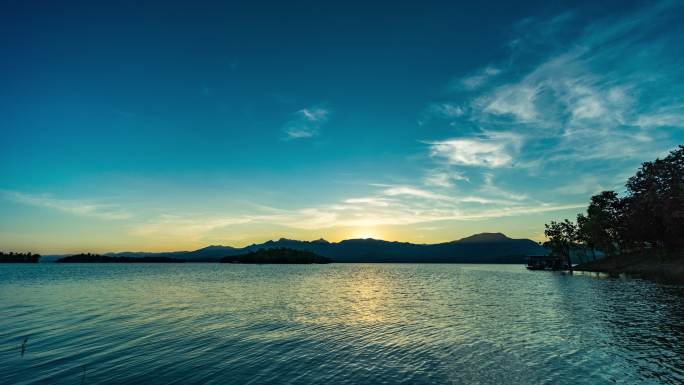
pixel 141 125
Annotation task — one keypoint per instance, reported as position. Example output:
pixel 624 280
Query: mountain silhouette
pixel 485 237
pixel 478 248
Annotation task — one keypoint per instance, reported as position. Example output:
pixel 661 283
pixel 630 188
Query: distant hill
pixel 485 237
pixel 205 254
pixel 50 258
pixel 478 248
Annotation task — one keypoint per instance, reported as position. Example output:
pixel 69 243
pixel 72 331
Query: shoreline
pixel 661 268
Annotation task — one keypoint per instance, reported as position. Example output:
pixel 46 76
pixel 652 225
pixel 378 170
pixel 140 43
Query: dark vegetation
pixel 19 257
pixel 279 255
pixel 96 258
pixel 641 231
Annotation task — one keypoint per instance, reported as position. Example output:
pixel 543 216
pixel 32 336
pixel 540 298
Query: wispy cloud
pixel 669 116
pixel 306 123
pixel 444 178
pixel 388 205
pixel 608 84
pixel 586 185
pixel 491 189
pixel 372 201
pixel 347 215
pixel 75 207
pixel 569 94
pixel 314 114
pixel 517 100
pixel 477 79
pixel 445 110
pixel 187 227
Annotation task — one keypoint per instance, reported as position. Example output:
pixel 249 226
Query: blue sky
pixel 173 125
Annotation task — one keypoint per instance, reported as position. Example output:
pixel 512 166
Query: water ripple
pixel 335 324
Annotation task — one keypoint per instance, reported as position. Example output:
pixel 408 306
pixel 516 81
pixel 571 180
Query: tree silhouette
pixel 13 257
pixel 649 217
pixel 655 203
pixel 562 237
pixel 600 227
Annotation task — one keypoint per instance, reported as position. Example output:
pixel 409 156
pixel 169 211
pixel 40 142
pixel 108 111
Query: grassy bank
pixel 661 267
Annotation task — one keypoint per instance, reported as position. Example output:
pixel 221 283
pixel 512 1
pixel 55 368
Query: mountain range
pixel 478 248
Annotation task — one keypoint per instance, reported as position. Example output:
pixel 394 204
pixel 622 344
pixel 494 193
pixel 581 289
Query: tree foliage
pixel 562 238
pixel 600 228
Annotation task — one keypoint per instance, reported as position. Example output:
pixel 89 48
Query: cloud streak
pixel 393 205
pixel 444 178
pixel 478 79
pixel 306 123
pixel 74 207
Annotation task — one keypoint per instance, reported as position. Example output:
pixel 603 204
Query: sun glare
pixel 366 233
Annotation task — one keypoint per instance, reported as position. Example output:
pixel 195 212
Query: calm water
pixel 334 324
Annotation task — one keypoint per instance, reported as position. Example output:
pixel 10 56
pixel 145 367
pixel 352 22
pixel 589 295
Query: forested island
pixel 277 256
pixel 638 232
pixel 97 258
pixel 12 257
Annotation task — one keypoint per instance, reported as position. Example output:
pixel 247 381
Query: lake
pixel 334 324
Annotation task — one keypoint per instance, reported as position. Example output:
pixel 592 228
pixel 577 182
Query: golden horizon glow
pixel 365 233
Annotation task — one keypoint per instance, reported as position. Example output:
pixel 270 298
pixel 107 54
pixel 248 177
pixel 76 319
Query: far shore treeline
pixel 646 222
pixel 262 256
pixel 19 257
pixel 97 258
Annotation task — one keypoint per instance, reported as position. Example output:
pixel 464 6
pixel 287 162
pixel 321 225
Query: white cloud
pixel 75 207
pixel 415 192
pixel 491 149
pixel 471 152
